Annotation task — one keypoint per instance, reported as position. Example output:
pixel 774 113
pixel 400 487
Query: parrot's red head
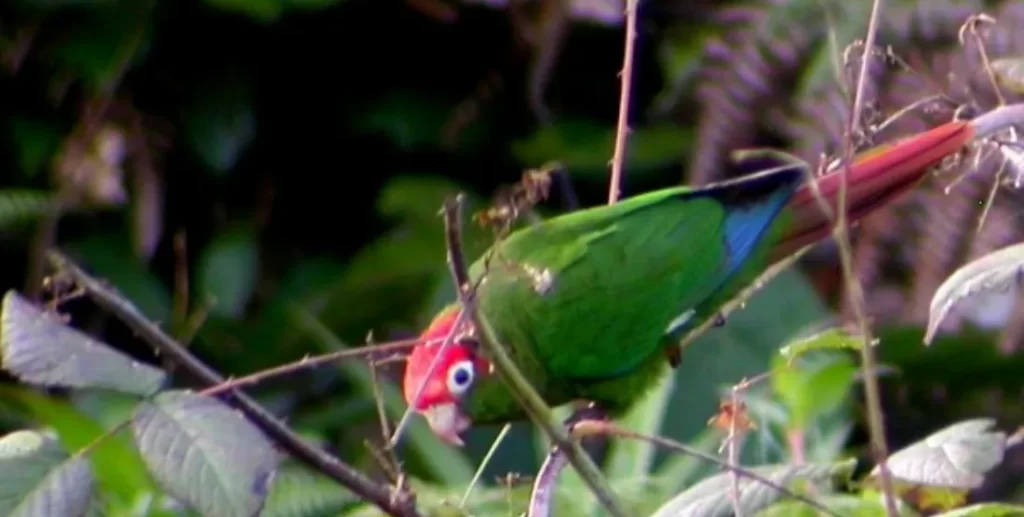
pixel 457 370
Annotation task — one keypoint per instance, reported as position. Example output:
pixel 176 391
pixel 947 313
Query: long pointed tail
pixel 877 177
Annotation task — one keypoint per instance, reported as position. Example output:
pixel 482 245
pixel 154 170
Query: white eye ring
pixel 460 377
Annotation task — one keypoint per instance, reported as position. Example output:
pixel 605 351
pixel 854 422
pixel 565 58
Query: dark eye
pixel 460 377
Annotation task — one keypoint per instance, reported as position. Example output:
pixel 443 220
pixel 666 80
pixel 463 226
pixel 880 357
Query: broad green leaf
pixel 985 510
pixel 956 457
pixel 228 271
pixel 834 338
pixel 205 453
pixel 744 347
pixel 298 492
pixel 711 497
pixel 586 146
pixel 40 349
pixel 996 271
pixel 221 124
pixel 114 459
pixel 843 504
pixel 811 389
pixel 1009 72
pixel 38 479
pixel 19 206
pixel 415 121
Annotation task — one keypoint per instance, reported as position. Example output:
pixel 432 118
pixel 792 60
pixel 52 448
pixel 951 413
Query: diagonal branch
pixel 521 389
pixel 394 504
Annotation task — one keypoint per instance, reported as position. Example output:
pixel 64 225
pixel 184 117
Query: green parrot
pixel 591 305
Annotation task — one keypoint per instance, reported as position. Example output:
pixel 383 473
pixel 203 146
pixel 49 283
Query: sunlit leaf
pixel 996 271
pixel 205 453
pixel 1009 72
pixel 811 389
pixel 985 510
pixel 711 497
pixel 835 338
pixel 39 479
pixel 957 457
pixel 228 271
pixel 221 124
pixel 40 349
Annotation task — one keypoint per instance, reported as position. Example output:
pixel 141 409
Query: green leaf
pixel 221 124
pixel 114 459
pixel 19 206
pixel 744 347
pixel 842 504
pixel 35 143
pixel 228 272
pixel 996 271
pixel 835 338
pixel 711 497
pixel 104 41
pixel 586 146
pixel 632 459
pixel 957 456
pixel 40 349
pixel 414 121
pixel 1009 71
pixel 38 479
pixel 298 492
pixel 985 510
pixel 205 453
pixel 813 389
pixel 110 257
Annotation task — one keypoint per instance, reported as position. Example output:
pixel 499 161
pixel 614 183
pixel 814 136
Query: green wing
pixel 591 293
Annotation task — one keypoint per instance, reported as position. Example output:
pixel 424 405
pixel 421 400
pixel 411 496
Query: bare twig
pixel 520 388
pixel 876 420
pixel 306 363
pixel 622 128
pixel 397 504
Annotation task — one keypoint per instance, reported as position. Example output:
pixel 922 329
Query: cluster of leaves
pixel 190 449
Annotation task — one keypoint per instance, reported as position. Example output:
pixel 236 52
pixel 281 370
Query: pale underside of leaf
pixel 955 457
pixel 998 270
pixel 38 479
pixel 40 349
pixel 711 497
pixel 205 453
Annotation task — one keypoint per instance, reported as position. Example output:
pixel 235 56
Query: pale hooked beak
pixel 447 421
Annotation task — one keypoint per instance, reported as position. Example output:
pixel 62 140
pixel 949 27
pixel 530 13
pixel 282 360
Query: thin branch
pixel 876 420
pixel 391 502
pixel 520 388
pixel 622 128
pixel 306 363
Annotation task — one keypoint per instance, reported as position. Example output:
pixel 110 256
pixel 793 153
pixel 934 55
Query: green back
pixel 619 276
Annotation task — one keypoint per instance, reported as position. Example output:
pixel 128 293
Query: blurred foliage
pixel 262 178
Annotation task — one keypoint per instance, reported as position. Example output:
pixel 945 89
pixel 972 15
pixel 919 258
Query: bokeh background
pixel 263 177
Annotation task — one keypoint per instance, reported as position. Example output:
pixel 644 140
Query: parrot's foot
pixel 719 320
pixel 674 354
pixel 581 414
